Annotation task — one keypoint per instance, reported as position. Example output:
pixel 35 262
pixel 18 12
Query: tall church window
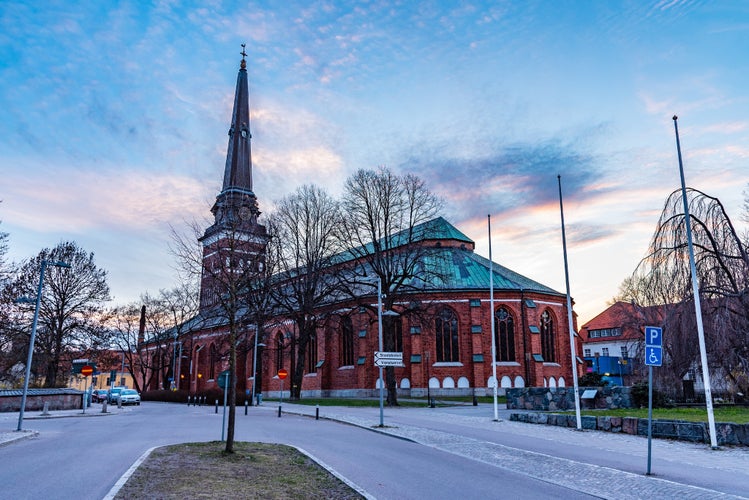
pixel 393 332
pixel 504 329
pixel 212 362
pixel 548 349
pixel 279 351
pixel 312 354
pixel 446 333
pixel 347 342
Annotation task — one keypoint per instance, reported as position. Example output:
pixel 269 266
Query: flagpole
pixel 569 313
pixel 491 316
pixel 696 293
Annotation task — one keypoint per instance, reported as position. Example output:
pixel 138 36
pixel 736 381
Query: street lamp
pixel 45 262
pixel 254 363
pixel 380 314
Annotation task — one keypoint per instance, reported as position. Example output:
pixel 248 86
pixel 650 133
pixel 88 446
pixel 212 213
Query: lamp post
pixel 380 314
pixel 33 336
pixel 379 333
pixel 175 367
pixel 254 363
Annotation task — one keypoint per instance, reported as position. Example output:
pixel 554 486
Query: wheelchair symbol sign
pixel 653 355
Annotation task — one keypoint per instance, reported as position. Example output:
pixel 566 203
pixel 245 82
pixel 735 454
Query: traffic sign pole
pixel 653 357
pixel 86 371
pixel 650 416
pixel 282 374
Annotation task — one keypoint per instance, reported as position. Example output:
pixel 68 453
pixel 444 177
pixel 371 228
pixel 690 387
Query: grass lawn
pixel 737 415
pixel 254 470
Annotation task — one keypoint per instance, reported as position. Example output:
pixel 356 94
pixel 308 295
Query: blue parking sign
pixel 654 336
pixel 653 355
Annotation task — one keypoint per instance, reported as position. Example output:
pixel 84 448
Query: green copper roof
pixel 440 229
pixel 462 269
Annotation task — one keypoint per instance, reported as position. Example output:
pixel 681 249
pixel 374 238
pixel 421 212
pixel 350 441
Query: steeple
pixel 236 205
pixel 235 242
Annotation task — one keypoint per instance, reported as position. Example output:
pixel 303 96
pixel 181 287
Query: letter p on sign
pixel 653 336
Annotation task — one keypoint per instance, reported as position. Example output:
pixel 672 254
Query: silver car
pixel 130 397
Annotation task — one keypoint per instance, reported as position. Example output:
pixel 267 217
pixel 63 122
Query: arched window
pixel 548 350
pixel 279 351
pixel 396 326
pixel 504 329
pixel 312 354
pixel 446 333
pixel 212 362
pixel 347 342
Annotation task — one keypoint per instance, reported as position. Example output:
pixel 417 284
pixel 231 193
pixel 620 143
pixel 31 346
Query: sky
pixel 114 119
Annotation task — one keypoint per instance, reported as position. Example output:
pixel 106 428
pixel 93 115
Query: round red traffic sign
pixel 282 374
pixel 87 370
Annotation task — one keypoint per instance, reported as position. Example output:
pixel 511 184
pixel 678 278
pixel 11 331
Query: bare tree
pixel 305 242
pixel 386 215
pixel 230 264
pixel 71 306
pixel 663 278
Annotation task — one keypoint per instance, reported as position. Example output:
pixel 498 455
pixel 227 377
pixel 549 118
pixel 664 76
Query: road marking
pixel 119 484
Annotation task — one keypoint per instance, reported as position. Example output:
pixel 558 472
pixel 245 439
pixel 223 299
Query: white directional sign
pixel 388 358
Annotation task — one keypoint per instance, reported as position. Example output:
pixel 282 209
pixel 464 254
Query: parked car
pixel 114 393
pixel 99 395
pixel 130 397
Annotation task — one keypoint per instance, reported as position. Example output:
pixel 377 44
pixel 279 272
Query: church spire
pixel 236 205
pixel 238 170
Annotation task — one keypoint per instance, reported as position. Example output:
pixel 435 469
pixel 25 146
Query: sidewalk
pixel 9 421
pixel 579 476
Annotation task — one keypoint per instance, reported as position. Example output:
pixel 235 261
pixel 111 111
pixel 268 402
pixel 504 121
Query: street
pixel 458 453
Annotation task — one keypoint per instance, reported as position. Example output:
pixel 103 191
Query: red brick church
pixel 448 350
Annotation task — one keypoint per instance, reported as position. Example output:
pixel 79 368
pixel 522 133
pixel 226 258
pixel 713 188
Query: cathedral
pixel 446 350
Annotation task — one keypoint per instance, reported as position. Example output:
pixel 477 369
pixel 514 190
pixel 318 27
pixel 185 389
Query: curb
pixel 14 436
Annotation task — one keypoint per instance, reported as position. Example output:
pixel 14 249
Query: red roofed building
pixel 613 341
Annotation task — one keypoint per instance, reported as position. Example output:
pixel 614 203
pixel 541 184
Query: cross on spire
pixel 244 54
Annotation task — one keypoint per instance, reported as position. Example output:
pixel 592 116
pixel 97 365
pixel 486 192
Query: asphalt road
pixel 444 453
pixel 82 458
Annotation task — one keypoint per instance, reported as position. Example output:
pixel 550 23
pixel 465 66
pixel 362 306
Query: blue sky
pixel 114 119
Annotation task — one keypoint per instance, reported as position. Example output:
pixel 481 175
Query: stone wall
pixel 58 399
pixel 696 432
pixel 563 398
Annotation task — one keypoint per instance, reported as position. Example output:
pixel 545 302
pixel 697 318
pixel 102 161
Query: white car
pixel 130 397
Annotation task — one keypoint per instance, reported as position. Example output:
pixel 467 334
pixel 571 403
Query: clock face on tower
pixel 244 213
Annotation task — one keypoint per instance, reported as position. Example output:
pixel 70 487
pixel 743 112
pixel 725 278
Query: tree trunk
pixel 232 388
pixel 389 345
pixel 298 371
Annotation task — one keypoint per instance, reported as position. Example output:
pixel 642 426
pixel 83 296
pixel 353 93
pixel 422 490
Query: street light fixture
pixel 45 263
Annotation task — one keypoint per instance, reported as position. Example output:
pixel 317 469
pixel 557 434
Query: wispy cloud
pixel 512 178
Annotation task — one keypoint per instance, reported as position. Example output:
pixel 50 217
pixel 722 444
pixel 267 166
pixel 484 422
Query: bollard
pixel 188 400
pixel 45 412
pixel 317 412
pixel 431 402
pixel 205 399
pixel 119 402
pixel 245 407
pixel 104 406
pixel 217 406
pixel 279 411
pixel 475 401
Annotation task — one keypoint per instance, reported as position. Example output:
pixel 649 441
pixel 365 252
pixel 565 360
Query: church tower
pixel 235 240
